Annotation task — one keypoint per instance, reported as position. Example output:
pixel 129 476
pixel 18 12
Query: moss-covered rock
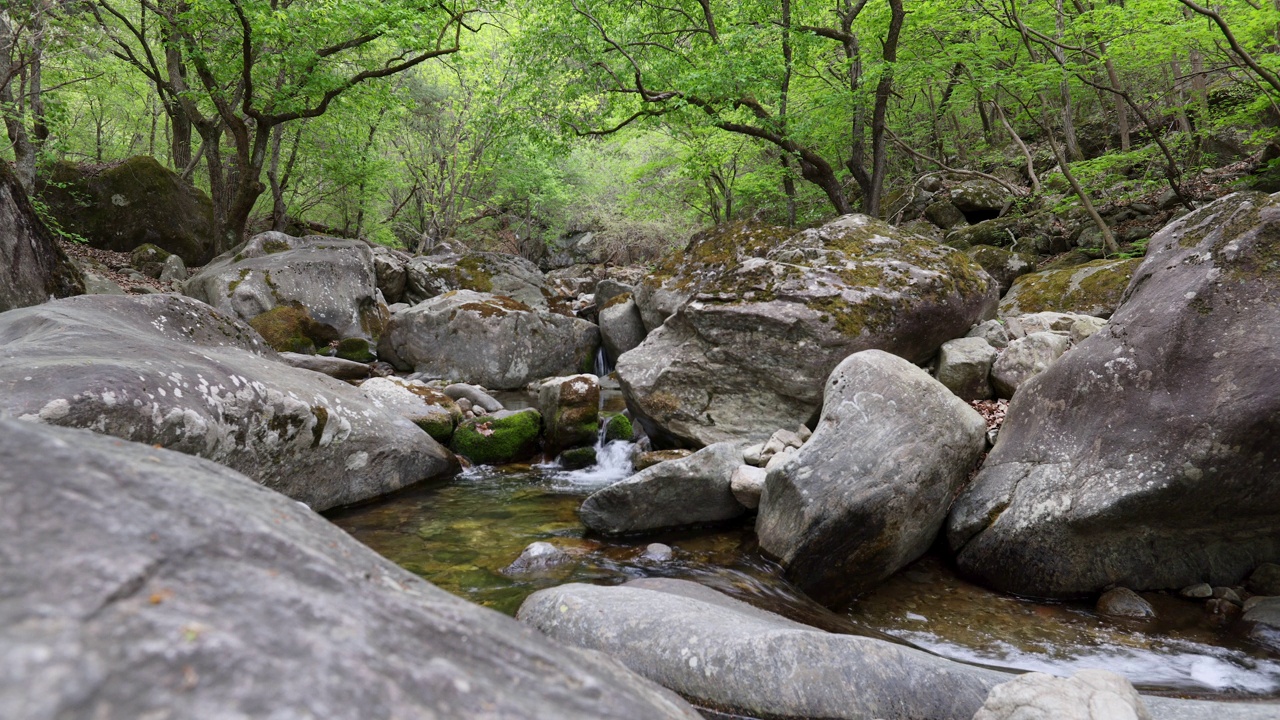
pixel 1003 265
pixel 768 312
pixel 1094 288
pixel 502 437
pixel 570 411
pixel 578 458
pixel 148 259
pixel 121 206
pixel 618 427
pixel 355 349
pixel 288 328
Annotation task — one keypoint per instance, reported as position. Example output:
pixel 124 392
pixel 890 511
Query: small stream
pixel 462 534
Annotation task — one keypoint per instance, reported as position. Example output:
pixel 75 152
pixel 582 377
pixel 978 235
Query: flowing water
pixel 463 533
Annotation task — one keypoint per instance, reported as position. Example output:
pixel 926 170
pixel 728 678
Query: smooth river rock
pixel 169 370
pixel 688 491
pixel 143 583
pixel 728 656
pixel 869 491
pixel 770 312
pixel 1146 457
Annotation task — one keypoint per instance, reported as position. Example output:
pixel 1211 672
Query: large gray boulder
pixel 869 491
pixel 1094 288
pixel 130 203
pixel 724 654
pixel 488 340
pixel 168 370
pixel 333 279
pixel 33 268
pixel 621 326
pixel 1146 456
pixel 1025 358
pixel 964 367
pixel 140 582
pixel 486 272
pixel 689 491
pixel 771 314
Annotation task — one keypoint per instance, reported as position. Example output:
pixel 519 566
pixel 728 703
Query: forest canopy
pixel 509 125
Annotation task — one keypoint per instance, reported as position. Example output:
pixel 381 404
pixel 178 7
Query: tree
pixel 246 67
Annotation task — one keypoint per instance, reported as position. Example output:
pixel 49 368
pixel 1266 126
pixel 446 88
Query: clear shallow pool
pixel 461 534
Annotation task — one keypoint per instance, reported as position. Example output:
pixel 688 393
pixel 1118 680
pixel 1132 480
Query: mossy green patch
pixel 617 427
pixel 490 440
pixel 578 458
pixel 355 349
pixel 1083 288
pixel 288 328
pixel 272 247
pixel 439 427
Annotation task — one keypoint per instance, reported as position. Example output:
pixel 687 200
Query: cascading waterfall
pixel 613 459
pixel 602 366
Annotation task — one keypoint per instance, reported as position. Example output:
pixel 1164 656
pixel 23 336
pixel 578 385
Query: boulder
pixel 643 460
pixel 618 427
pixel 424 406
pixel 747 484
pixel 332 279
pixel 391 270
pixel 869 491
pixel 474 395
pixel 484 272
pixel 609 288
pixel 1025 358
pixel 331 366
pixel 772 312
pixel 570 408
pixel 33 268
pixel 995 332
pixel 979 199
pixel 168 370
pixel 489 340
pixel 502 437
pixel 140 582
pixel 1087 695
pixel 964 367
pixel 1265 580
pixel 724 654
pixel 689 491
pixel 1125 603
pixel 148 259
pixel 173 270
pixel 1146 456
pixel 1094 288
pixel 621 326
pixel 121 206
pixel 1005 266
pixel 537 557
pixel 943 214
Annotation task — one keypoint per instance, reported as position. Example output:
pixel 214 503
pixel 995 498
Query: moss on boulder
pixel 502 437
pixel 1094 288
pixel 121 206
pixel 618 427
pixel 288 328
pixel 356 350
pixel 764 314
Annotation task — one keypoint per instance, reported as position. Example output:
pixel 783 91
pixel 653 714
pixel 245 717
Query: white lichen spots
pixel 55 410
pixel 177 393
pixel 162 392
pixel 108 398
pixel 358 460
